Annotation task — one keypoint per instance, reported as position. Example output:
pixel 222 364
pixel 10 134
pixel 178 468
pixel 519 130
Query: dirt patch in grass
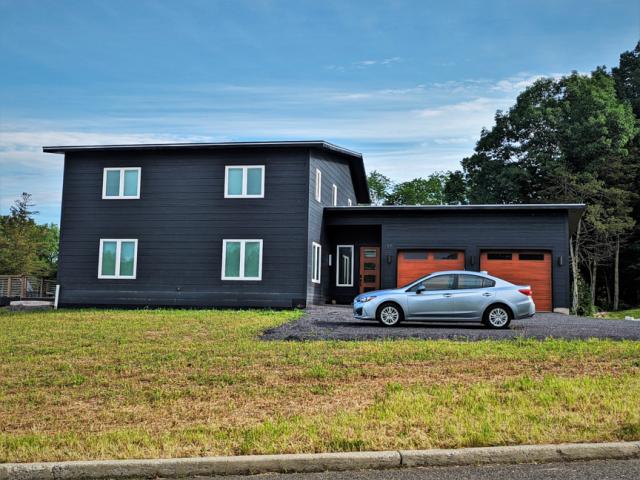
pixel 114 384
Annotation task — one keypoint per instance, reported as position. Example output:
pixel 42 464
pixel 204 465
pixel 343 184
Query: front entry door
pixel 369 269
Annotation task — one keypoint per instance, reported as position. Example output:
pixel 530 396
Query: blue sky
pixel 409 84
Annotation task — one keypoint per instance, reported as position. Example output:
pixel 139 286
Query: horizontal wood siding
pixel 470 232
pixel 180 222
pixel 335 171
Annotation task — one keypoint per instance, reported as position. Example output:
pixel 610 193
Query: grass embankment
pixel 620 314
pixel 126 384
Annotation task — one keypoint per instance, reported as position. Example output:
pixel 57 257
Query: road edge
pixel 315 462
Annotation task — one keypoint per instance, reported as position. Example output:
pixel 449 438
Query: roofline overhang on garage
pixel 356 162
pixel 574 210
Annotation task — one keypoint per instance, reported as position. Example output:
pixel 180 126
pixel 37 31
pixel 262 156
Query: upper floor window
pixel 241 259
pixel 121 183
pixel 318 185
pixel 334 195
pixel 118 258
pixel 244 181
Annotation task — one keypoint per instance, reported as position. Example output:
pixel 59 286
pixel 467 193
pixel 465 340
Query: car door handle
pixel 446 295
pixel 486 294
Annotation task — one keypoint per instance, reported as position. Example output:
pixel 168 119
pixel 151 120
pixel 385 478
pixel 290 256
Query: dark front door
pixel 369 269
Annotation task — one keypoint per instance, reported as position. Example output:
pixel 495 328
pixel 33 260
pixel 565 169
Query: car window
pixel 470 281
pixel 487 282
pixel 440 282
pixel 474 281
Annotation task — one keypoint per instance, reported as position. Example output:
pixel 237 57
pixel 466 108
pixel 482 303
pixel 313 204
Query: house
pixel 276 224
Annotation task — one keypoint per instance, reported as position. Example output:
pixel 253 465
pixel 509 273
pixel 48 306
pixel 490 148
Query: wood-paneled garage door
pixel 523 268
pixel 413 264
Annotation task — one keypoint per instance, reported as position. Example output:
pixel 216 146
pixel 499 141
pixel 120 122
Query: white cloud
pixel 404 131
pixel 366 63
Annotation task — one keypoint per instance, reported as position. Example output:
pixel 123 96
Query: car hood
pixel 379 293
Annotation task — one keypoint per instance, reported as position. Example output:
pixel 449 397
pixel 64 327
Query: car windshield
pixel 416 282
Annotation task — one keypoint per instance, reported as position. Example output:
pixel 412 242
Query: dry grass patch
pixel 121 384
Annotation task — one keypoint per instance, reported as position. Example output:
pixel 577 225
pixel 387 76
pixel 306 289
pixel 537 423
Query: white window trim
pixel 242 241
pixel 338 284
pixel 244 181
pixel 117 275
pixel 318 185
pixel 121 195
pixel 316 262
pixel 349 202
pixel 334 195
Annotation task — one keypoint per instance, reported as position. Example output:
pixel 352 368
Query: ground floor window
pixel 241 259
pixel 344 266
pixel 118 258
pixel 316 262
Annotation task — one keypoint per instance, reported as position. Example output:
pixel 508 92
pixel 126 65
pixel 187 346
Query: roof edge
pixel 322 144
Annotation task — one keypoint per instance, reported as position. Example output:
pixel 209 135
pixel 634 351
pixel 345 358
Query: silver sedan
pixel 456 295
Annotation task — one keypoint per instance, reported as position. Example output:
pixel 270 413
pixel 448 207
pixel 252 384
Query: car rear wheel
pixel 497 316
pixel 389 314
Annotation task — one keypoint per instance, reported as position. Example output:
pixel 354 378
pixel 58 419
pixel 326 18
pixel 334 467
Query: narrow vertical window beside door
pixel 316 256
pixel 344 266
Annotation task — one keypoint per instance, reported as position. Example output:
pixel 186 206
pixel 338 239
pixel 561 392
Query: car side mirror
pixel 420 289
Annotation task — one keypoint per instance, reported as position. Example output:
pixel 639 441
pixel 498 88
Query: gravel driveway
pixel 336 322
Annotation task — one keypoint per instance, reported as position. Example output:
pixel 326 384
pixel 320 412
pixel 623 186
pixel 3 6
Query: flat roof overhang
pixel 573 210
pixel 356 163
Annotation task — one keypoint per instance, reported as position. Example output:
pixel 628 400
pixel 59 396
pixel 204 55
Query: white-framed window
pixel 242 259
pixel 121 183
pixel 334 195
pixel 244 181
pixel 316 262
pixel 318 185
pixel 344 266
pixel 118 258
pixel 349 202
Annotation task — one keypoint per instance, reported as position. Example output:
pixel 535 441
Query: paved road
pixel 335 322
pixel 594 470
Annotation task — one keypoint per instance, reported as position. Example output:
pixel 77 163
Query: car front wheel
pixel 497 316
pixel 389 314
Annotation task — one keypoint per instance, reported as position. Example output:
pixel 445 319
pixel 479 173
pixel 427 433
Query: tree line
pixel 574 139
pixel 27 248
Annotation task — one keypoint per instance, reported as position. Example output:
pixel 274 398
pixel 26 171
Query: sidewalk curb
pixel 315 462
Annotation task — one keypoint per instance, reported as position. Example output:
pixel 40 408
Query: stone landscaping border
pixel 315 462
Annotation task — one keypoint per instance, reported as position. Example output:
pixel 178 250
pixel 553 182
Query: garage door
pixel 523 268
pixel 413 264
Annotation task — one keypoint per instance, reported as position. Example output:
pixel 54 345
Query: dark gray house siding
pixel 182 218
pixel 469 231
pixel 180 222
pixel 335 171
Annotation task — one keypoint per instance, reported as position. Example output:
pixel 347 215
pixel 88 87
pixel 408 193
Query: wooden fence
pixel 26 287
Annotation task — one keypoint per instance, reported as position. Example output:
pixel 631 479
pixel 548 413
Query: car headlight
pixel 367 298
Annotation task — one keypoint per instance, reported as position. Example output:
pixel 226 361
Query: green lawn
pixel 165 383
pixel 634 312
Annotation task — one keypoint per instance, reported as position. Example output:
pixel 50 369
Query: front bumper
pixel 364 311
